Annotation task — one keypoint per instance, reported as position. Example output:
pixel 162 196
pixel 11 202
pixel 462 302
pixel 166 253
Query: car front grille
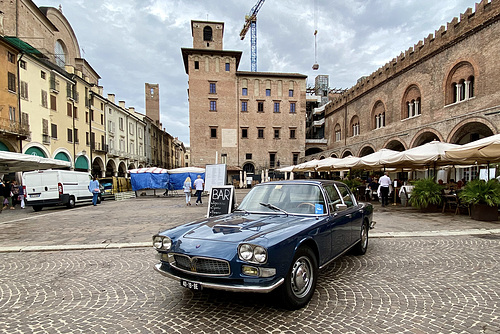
pixel 201 265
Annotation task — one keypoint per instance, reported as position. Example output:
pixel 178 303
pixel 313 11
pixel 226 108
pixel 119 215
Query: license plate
pixel 34 195
pixel 191 285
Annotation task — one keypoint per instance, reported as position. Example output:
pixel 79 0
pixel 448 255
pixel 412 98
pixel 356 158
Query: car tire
pixel 362 245
pixel 300 281
pixel 71 202
pixel 37 208
pixel 99 199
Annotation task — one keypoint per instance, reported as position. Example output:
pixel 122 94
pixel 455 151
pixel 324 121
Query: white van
pixel 56 187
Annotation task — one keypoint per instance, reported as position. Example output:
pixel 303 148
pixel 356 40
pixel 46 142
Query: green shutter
pixel 81 163
pixel 35 151
pixel 62 156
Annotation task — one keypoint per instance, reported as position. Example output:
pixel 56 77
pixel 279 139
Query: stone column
pixel 417 110
pixel 467 92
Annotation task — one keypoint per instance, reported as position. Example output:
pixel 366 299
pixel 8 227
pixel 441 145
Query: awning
pixel 18 162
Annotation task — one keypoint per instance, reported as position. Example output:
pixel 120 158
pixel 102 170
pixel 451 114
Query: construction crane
pixel 251 22
pixel 315 65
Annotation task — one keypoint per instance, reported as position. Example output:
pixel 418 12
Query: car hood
pixel 244 227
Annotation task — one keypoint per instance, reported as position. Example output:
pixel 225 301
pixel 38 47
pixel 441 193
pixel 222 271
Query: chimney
pixel 121 104
pixel 111 97
pixel 131 109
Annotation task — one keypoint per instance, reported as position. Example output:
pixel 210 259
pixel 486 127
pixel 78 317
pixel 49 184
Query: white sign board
pixel 215 175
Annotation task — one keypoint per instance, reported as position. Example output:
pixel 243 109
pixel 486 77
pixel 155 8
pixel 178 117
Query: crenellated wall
pixel 470 22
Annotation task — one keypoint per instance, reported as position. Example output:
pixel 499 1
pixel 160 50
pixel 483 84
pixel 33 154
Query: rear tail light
pixel 60 188
pixel 24 191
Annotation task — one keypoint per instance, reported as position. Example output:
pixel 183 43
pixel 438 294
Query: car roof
pixel 304 181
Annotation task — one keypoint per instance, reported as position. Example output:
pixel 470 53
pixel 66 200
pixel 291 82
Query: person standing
pixel 187 190
pixel 198 185
pixel 384 182
pixel 94 189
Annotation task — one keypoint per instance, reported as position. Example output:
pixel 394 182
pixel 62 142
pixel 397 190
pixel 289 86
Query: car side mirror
pixel 340 207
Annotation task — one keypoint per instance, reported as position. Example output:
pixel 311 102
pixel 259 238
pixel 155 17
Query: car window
pixel 292 197
pixel 346 195
pixel 333 196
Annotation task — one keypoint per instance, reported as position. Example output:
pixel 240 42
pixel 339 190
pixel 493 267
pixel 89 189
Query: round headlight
pixel 157 241
pixel 167 243
pixel 246 252
pixel 260 254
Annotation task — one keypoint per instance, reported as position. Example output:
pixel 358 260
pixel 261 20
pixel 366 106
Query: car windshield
pixel 289 198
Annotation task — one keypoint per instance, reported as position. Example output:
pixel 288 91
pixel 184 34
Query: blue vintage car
pixel 277 239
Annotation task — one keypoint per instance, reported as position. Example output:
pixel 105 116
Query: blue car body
pixel 327 230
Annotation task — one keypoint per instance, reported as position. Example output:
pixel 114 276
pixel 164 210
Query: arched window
pixel 460 83
pixel 355 126
pixel 338 133
pixel 411 103
pixel 378 115
pixel 207 34
pixel 60 54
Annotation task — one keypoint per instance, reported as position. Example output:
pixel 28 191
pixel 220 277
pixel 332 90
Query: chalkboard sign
pixel 221 200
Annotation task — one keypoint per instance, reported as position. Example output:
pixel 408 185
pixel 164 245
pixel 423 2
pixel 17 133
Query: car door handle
pixel 349 216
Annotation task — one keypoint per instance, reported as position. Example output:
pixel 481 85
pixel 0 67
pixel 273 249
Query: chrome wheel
pixel 301 277
pixel 300 280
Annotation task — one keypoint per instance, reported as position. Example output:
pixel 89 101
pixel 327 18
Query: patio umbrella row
pixel 486 150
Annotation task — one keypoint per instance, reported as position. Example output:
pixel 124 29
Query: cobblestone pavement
pixel 442 284
pixel 403 285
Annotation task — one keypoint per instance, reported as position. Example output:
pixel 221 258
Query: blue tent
pixel 155 178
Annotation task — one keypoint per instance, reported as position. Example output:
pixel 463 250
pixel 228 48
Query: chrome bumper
pixel 215 286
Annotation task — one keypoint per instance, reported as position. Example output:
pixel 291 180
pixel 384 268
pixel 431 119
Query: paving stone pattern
pixel 402 285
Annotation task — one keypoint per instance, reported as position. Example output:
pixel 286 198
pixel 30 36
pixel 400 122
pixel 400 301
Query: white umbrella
pixel 285 169
pixel 381 158
pixel 308 166
pixel 484 150
pixel 327 164
pixel 346 163
pixel 426 154
pixel 19 162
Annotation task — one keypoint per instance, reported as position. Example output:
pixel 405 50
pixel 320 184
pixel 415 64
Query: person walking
pixel 21 196
pixel 198 185
pixel 94 189
pixel 187 190
pixel 384 182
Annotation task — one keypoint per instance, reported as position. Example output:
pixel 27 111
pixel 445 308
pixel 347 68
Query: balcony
pixel 316 141
pixel 14 128
pixel 46 139
pixel 99 147
pixel 319 123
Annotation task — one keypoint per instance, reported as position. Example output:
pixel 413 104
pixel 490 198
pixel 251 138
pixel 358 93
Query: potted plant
pixel 426 195
pixel 483 197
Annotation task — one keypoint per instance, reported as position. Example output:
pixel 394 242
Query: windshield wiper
pixel 274 207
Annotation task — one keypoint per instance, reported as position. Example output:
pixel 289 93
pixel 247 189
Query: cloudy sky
pixel 130 42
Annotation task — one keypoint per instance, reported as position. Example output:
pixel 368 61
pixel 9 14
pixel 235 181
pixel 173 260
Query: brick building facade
pixel 443 88
pixel 253 120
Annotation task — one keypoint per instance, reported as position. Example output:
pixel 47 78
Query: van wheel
pixel 71 202
pixel 37 207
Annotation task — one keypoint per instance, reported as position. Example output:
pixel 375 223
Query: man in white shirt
pixel 198 185
pixel 385 182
